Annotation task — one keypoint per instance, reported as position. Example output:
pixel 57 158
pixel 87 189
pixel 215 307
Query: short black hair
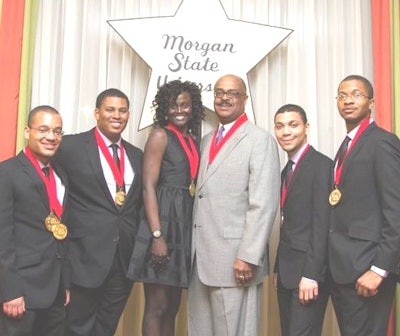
pixel 365 81
pixel 110 93
pixel 40 108
pixel 292 108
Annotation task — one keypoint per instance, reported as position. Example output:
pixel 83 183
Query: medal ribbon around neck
pixel 50 184
pixel 284 187
pixel 214 149
pixel 118 174
pixel 338 172
pixel 191 153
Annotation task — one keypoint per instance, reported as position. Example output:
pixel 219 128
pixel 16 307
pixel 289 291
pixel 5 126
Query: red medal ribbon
pixel 214 149
pixel 50 184
pixel 191 153
pixel 118 174
pixel 338 172
pixel 284 186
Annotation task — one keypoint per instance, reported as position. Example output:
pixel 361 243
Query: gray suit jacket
pixel 235 205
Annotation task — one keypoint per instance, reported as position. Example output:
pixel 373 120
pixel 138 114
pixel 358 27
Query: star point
pixel 198 43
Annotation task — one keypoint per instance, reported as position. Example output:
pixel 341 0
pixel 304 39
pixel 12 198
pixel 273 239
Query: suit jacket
pixel 365 225
pixel 303 244
pixel 235 205
pixel 98 228
pixel 32 262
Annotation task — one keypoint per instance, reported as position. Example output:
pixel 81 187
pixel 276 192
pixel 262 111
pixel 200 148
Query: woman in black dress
pixel 161 256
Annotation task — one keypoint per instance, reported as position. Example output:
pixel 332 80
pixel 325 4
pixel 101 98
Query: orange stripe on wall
pixel 11 32
pixel 382 64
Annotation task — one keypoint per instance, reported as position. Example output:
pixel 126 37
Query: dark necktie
pixel 342 151
pixel 287 173
pixel 114 148
pixel 219 136
pixel 46 171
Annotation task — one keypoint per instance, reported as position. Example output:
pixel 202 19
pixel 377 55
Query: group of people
pixel 84 216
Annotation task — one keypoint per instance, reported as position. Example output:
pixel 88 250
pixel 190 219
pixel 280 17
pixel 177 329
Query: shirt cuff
pixel 308 279
pixel 379 271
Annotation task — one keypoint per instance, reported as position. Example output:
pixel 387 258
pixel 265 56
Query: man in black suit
pixel 34 273
pixel 105 195
pixel 301 260
pixel 364 234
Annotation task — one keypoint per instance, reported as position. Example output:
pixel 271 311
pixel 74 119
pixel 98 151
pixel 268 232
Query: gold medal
pixel 60 231
pixel 334 196
pixel 120 197
pixel 50 221
pixel 192 189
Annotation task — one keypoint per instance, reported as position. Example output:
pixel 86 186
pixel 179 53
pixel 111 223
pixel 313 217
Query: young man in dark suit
pixel 34 271
pixel 301 261
pixel 105 178
pixel 364 233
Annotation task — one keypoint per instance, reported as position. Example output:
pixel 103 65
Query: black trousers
pixel 299 319
pixel 37 322
pixel 96 311
pixel 358 315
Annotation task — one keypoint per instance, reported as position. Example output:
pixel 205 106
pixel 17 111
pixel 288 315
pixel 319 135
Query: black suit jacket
pixel 302 250
pixel 32 262
pixel 98 228
pixel 365 225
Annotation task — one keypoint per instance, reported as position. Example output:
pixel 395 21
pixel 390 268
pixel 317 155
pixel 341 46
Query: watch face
pixel 157 233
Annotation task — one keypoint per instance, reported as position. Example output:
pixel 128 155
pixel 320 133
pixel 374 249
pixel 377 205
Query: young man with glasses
pixel 364 233
pixel 34 270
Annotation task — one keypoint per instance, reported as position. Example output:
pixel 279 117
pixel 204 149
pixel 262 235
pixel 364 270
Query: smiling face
pixel 229 107
pixel 290 131
pixel 357 105
pixel 41 135
pixel 112 117
pixel 180 111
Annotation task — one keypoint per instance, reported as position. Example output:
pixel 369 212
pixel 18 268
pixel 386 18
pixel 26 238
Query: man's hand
pixel 368 283
pixel 308 290
pixel 244 272
pixel 14 308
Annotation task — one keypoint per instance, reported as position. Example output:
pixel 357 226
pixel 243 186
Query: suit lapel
pixel 92 152
pixel 33 175
pixel 300 167
pixel 357 147
pixel 222 155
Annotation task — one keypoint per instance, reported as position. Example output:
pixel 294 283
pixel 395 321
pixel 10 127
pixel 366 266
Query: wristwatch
pixel 157 233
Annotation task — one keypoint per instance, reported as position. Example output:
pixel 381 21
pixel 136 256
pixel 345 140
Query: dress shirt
pixel 108 174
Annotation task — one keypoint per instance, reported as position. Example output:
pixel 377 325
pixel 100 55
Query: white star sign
pixel 199 44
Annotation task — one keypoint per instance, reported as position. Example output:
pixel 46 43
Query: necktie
pixel 288 173
pixel 219 136
pixel 342 151
pixel 46 171
pixel 114 148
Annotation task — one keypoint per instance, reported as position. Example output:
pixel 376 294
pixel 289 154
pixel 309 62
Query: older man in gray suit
pixel 235 207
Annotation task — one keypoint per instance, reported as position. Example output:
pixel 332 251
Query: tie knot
pixel 46 171
pixel 220 134
pixel 114 147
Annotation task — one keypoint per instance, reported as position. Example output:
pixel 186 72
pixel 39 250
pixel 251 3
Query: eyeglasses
pixel 229 93
pixel 353 96
pixel 58 132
